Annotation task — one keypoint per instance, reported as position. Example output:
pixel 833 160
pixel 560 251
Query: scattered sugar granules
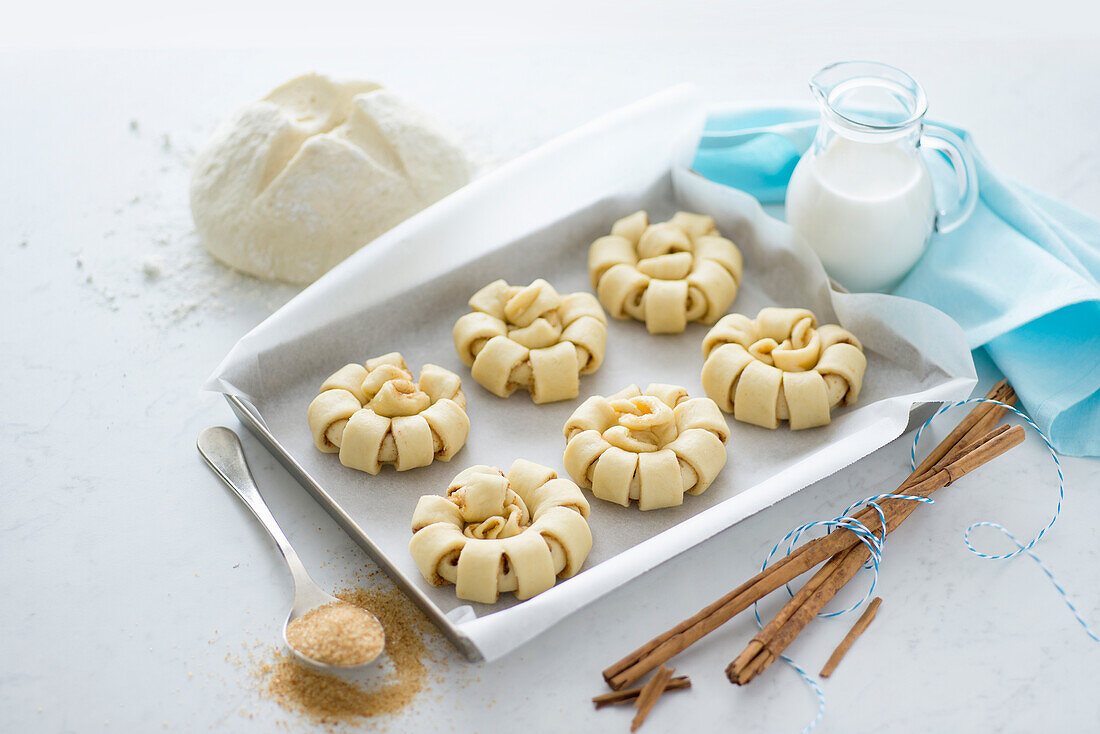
pixel 337 699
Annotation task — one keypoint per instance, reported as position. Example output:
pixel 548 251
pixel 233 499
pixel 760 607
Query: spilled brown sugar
pixel 339 634
pixel 332 699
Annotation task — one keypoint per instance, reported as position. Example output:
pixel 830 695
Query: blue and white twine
pixel 876 543
pixel 1020 547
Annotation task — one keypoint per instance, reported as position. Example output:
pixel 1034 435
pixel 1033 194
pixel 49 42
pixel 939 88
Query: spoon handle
pixel 223 452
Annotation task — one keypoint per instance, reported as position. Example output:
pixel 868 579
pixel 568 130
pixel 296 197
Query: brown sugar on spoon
pixel 339 634
pixel 337 702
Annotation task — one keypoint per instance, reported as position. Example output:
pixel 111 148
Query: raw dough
pixel 781 366
pixel 375 414
pixel 492 533
pixel 651 447
pixel 665 274
pixel 294 183
pixel 531 337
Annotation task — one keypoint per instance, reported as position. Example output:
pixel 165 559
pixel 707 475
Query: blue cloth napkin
pixel 1021 276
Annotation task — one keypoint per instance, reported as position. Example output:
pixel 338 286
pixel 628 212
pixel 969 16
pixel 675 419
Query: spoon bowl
pixel 222 450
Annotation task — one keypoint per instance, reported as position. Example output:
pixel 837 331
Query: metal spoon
pixel 223 452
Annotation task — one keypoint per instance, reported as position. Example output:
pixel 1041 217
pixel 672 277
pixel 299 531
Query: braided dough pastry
pixel 650 447
pixel 492 533
pixel 533 338
pixel 781 366
pixel 375 414
pixel 665 274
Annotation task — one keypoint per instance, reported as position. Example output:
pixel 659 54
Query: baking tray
pixel 564 265
pixel 536 218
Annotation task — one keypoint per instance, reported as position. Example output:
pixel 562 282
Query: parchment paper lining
pixel 915 354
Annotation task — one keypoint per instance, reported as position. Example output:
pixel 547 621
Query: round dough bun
pixel 651 447
pixel 292 184
pixel 374 414
pixel 781 366
pixel 665 274
pixel 531 337
pixel 494 532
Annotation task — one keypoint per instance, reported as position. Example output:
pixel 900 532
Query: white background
pixel 129 574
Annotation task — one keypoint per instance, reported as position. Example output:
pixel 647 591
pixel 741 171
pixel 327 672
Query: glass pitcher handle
pixel 952 146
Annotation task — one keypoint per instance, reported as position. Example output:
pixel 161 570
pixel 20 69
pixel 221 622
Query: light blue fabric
pixel 1022 276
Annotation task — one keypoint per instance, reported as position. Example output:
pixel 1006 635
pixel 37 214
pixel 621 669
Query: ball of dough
pixel 292 184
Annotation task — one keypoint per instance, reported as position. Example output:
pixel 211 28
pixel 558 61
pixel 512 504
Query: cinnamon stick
pixel 627 695
pixel 675 640
pixel 1001 392
pixel 973 427
pixel 858 629
pixel 794 617
pixel 649 694
pixel 775 638
pixel 759 642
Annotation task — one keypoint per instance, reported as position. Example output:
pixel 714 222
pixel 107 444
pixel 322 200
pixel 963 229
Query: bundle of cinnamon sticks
pixel 972 443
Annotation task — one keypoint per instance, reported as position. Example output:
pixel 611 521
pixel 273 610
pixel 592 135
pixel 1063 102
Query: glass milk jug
pixel 862 195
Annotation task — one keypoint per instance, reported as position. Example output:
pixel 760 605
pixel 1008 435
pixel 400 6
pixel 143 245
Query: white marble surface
pixel 129 574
